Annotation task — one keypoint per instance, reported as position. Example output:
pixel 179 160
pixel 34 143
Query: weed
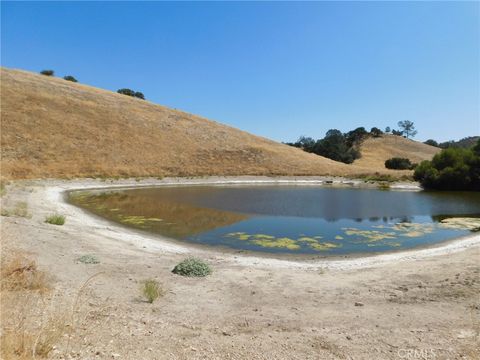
pixel 55 219
pixel 151 290
pixel 192 267
pixel 88 259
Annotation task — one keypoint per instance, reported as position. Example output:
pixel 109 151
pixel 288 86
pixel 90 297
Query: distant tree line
pixel 128 92
pixel 336 145
pixel 465 143
pixel 453 168
pixel 407 129
pixel 52 73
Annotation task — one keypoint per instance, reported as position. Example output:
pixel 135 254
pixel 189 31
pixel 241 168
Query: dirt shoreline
pixel 377 307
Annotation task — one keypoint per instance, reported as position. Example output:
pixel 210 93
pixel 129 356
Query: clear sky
pixel 274 69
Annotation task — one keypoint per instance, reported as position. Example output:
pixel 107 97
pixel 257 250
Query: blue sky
pixel 279 70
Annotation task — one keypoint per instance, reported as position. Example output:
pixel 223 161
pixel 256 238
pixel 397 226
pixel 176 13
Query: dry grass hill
pixel 376 150
pixel 52 128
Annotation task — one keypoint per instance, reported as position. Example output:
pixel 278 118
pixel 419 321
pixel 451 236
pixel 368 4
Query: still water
pixel 290 219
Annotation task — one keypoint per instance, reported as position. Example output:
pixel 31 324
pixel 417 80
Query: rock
pixel 349 337
pixel 358 303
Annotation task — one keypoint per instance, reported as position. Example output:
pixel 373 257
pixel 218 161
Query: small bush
pixel 70 78
pixel 397 163
pixel 55 219
pixel 88 259
pixel 192 267
pixel 151 290
pixel 47 72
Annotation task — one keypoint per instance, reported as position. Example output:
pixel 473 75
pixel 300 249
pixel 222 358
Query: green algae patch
pixel 307 239
pixel 285 243
pixel 325 246
pixel 370 235
pixel 338 237
pixel 461 223
pixel 133 220
pixel 263 236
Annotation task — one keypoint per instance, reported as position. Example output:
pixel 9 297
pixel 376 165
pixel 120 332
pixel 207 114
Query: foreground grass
pixel 19 210
pixel 55 219
pixel 151 290
pixel 34 320
pixel 30 330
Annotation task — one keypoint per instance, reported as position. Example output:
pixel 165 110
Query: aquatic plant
pixel 461 223
pixel 370 235
pixel 55 219
pixel 284 242
pixel 151 290
pixel 324 246
pixel 192 267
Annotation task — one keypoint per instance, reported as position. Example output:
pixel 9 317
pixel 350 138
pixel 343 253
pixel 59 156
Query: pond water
pixel 290 219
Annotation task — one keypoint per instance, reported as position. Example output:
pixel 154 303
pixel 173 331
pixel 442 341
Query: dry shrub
pixel 31 323
pixel 21 273
pixel 33 327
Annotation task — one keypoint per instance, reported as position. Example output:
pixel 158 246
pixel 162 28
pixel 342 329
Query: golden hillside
pixel 58 129
pixel 376 150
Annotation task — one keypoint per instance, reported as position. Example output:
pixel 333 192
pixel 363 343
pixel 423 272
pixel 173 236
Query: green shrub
pixel 192 267
pixel 88 259
pixel 55 219
pixel 70 78
pixel 47 72
pixel 151 290
pixel 451 169
pixel 397 163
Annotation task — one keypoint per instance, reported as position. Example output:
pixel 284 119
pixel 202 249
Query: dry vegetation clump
pixel 20 210
pixel 21 273
pixel 55 219
pixel 151 290
pixel 31 325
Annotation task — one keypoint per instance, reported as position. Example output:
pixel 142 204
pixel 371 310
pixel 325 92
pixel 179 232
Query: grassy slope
pixel 376 150
pixel 54 128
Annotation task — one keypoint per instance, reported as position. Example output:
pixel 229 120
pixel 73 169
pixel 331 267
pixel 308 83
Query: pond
pixel 290 219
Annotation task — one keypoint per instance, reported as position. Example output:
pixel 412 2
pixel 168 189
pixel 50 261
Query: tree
pixel 139 95
pixel 334 146
pixel 397 132
pixel 431 142
pixel 70 78
pixel 305 143
pixel 387 129
pixel 130 92
pixel 376 132
pixel 47 72
pixel 408 128
pixel 355 136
